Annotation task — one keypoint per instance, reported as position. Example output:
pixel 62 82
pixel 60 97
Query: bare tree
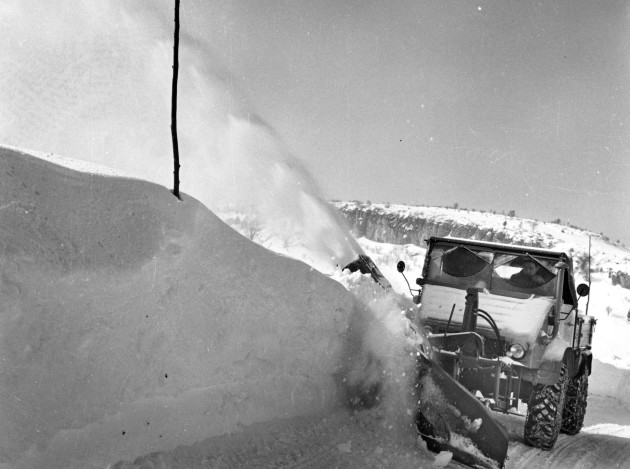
pixel 174 103
pixel 252 226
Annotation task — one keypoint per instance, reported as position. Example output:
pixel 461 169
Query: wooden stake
pixel 174 104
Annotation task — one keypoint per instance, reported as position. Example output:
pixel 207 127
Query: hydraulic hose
pixel 485 315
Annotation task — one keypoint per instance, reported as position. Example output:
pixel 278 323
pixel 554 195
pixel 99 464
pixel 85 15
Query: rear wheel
pixel 575 404
pixel 544 413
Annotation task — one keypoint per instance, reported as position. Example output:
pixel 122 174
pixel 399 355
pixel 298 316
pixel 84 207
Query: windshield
pixel 503 274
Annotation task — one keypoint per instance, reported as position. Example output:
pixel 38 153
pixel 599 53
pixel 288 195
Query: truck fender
pixel 549 371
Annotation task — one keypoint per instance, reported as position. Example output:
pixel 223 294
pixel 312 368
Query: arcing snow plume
pixel 92 80
pixel 258 174
pixel 380 364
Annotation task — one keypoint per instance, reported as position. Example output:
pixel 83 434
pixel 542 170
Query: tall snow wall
pixel 132 322
pixel 610 381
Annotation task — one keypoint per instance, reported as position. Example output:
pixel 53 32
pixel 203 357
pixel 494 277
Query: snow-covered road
pixel 367 440
pixel 604 442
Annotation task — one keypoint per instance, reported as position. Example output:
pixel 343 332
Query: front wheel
pixel 544 413
pixel 575 404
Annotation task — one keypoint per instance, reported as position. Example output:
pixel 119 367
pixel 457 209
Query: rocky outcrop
pixel 384 226
pixel 400 224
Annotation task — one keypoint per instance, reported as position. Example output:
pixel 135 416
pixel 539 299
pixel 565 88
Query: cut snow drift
pixel 133 322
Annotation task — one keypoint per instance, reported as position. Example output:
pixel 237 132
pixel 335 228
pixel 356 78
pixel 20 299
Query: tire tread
pixel 544 413
pixel 575 404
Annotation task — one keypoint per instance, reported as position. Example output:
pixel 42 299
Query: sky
pixel 504 105
pixel 492 105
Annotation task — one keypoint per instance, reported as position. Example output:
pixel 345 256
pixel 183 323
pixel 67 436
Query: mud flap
pixel 450 418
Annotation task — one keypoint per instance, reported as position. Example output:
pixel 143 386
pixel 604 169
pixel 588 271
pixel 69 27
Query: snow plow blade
pixel 450 418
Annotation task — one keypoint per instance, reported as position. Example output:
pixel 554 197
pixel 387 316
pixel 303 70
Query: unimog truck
pixel 503 321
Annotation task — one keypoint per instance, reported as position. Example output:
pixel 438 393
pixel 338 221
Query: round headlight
pixel 517 351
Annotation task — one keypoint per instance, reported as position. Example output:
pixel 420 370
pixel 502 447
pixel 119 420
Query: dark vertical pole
pixel 174 103
pixel 588 298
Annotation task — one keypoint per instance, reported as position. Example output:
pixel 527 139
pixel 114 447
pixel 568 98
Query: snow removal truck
pixel 504 330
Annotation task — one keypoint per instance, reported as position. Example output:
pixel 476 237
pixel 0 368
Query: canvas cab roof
pixel 516 252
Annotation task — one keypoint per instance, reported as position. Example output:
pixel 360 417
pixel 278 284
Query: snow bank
pixel 620 431
pixel 609 304
pixel 132 322
pixel 608 380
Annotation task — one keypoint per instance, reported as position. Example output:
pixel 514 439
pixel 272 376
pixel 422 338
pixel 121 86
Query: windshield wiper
pixel 469 250
pixel 540 264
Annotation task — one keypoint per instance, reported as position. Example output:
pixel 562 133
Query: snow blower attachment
pixel 448 417
pixel 366 265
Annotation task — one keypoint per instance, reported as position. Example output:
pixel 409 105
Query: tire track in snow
pixel 600 446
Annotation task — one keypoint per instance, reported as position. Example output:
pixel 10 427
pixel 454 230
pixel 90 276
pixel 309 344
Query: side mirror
pixel 400 266
pixel 583 289
pixel 416 299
